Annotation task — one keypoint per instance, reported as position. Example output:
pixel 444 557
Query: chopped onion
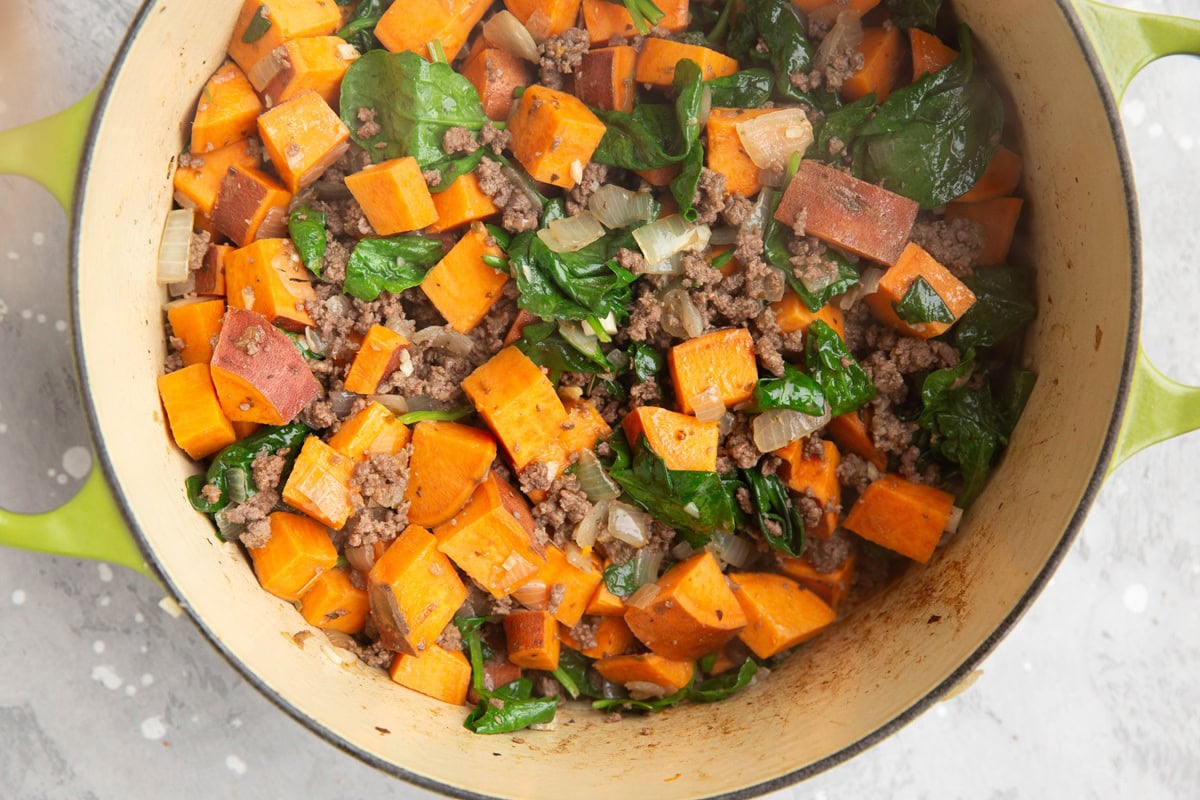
pixel 705 106
pixel 646 564
pixel 534 595
pixel 570 234
pixel 341 402
pixel 779 427
pixel 274 224
pixel 681 318
pixel 644 596
pixel 176 246
pixel 423 402
pixel 445 338
pixel 727 423
pixel 644 690
pixel 516 568
pixel 578 559
pixel 337 305
pixel 361 557
pixel 587 343
pixel 708 405
pixel 665 237
pixel 682 551
pixel 733 550
pixel 401 325
pixel 589 527
pixel 672 266
pixel 264 70
pixel 772 138
pixel 867 284
pixel 314 342
pixel 392 402
pixel 184 287
pixel 628 524
pixel 844 37
pixel 616 207
pixel 506 32
pixel 230 530
pixel 956 515
pixel 593 480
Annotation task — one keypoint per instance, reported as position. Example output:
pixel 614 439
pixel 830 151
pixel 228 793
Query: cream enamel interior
pixel 878 662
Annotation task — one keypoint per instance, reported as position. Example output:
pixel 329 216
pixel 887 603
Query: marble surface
pixel 103 695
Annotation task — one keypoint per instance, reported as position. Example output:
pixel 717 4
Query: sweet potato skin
pixel 605 78
pixel 496 74
pixel 273 384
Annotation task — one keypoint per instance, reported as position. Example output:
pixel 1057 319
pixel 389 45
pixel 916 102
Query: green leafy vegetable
pixel 645 13
pixel 921 304
pixel 260 23
pixel 774 34
pixel 585 284
pixel 546 347
pixel 914 13
pixel 1003 307
pixel 629 704
pixel 302 345
pixel 645 361
pixel 389 265
pixel 779 521
pixel 846 386
pixel 843 125
pixel 776 252
pixel 795 391
pixel 723 686
pixel 359 29
pixel 515 707
pixel 307 229
pixel 451 415
pixel 572 674
pixel 239 457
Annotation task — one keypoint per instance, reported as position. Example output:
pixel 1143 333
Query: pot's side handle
pixel 88 525
pixel 1126 40
pixel 1159 409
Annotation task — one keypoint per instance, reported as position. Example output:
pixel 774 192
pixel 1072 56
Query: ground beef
pixel 319 414
pixel 369 127
pixel 558 593
pixel 957 244
pixel 810 510
pixel 561 55
pixel 174 359
pixel 372 525
pixel 198 249
pixel 333 263
pixel 614 549
pixel 266 470
pixel 631 260
pixel 645 393
pixel 698 271
pixel 437 373
pixel 494 138
pixel 889 433
pixel 839 65
pixel 536 477
pixel 661 537
pixel 373 654
pixel 737 210
pixel 585 632
pixel 738 450
pixel 546 686
pixel 565 505
pixel 917 355
pixel 709 200
pixel 432 178
pixel 882 371
pixel 826 555
pixel 451 638
pixel 344 218
pixel 594 176
pixel 645 318
pixel 459 140
pixel 382 478
pixel 912 469
pixel 519 214
pixel 771 344
pixel 855 471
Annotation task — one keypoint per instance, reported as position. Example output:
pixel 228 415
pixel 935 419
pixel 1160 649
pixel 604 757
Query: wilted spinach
pixel 779 521
pixel 547 347
pixel 645 361
pixel 707 691
pixel 515 707
pixel 922 304
pixel 306 227
pixel 783 31
pixel 587 284
pixel 1003 307
pixel 775 251
pixel 239 457
pixel 914 13
pixel 847 387
pixel 389 265
pixel 749 88
pixel 359 29
pixel 794 391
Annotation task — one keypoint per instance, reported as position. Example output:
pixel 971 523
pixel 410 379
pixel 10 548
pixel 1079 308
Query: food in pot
pixel 591 350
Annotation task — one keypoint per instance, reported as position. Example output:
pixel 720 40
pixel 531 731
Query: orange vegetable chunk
pixel 780 613
pixel 197 324
pixel 268 277
pixel 605 20
pixel 815 478
pixel 298 551
pixel 491 538
pixel 611 637
pixel 372 431
pixel 902 516
pixel 496 74
pixel 438 673
pixel 379 356
pixel 313 63
pixel 723 360
pixel 884 56
pixel 999 180
pixel 198 179
pixel 545 18
pixel 448 461
pixel 320 484
pixel 859 6
pixel 554 135
pixel 464 202
pixel 413 24
pixel 333 603
pixel 532 638
pixel 519 404
pixel 725 153
pixel 659 177
pixel 656 63
pixel 928 53
pixel 681 441
pixel 850 433
pixel 917 263
pixel 210 278
pixel 584 426
pixel 198 424
pixel 250 205
pixel 259 374
pixel 693 614
pixel 394 196
pixel 998 217
pixel 578 585
pixel 832 587
pixel 289 19
pixel 420 586
pixel 605 77
pixel 227 111
pixel 304 137
pixel 461 286
pixel 848 213
pixel 793 315
pixel 670 674
pixel 605 604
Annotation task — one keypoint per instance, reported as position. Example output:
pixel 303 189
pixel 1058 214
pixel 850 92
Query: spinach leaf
pixel 779 521
pixel 1003 307
pixel 645 361
pixel 307 229
pixel 914 13
pixel 586 284
pixel 783 31
pixel 629 704
pixel 389 265
pixel 239 457
pixel 776 253
pixel 260 23
pixel 414 102
pixel 450 415
pixel 572 674
pixel 686 184
pixel 516 709
pixel 302 345
pixel 547 348
pixel 1018 385
pixel 843 125
pixel 749 88
pixel 921 304
pixel 723 686
pixel 621 579
pixel 847 387
pixel 932 140
pixel 795 391
pixel 359 29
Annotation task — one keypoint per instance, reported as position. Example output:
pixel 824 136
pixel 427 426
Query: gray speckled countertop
pixel 1094 694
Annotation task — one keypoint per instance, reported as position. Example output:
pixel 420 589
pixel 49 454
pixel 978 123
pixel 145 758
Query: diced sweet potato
pixel 999 180
pixel 913 264
pixel 517 329
pixel 832 587
pixel 413 24
pixel 577 585
pixel 448 461
pixel 604 20
pixel 304 137
pixel 227 110
pixel 816 478
pixel 438 673
pixel 394 196
pixel 313 63
pixel 793 315
pixel 491 538
pixel 860 7
pixel 722 360
pixel 545 18
pixel 681 441
pixel 670 674
pixel 883 54
pixel 497 671
pixel 725 153
pixel 198 424
pixel 605 604
pixel 372 431
pixel 268 277
pixel 250 205
pixel 461 286
pixel 693 614
pixel 210 278
pixel 554 135
pixel 605 78
pixel 583 428
pixel 656 63
pixel 611 637
pixel 998 217
pixel 263 25
pixel 780 613
pixel 660 177
pixel 496 74
pixel 519 404
pixel 902 516
pixel 198 178
pixel 377 358
pixel 333 603
pixel 848 213
pixel 298 551
pixel 532 638
pixel 415 592
pixel 259 374
pixel 463 203
pixel 196 324
pixel 320 484
pixel 928 53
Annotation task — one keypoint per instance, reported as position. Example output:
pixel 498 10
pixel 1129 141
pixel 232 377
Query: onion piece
pixel 646 564
pixel 184 287
pixel 341 402
pixel 314 342
pixel 506 32
pixel 708 405
pixel 779 427
pixel 628 524
pixel 361 557
pixel 681 318
pixel 672 266
pixel 682 551
pixel 264 70
pixel 664 238
pixel 392 402
pixel 589 527
pixel 516 568
pixel 571 234
pixel 578 559
pixel 867 284
pixel 727 423
pixel 772 138
pixel 534 595
pixel 644 596
pixel 844 37
pixel 445 338
pixel 733 550
pixel 593 480
pixel 616 207
pixel 644 690
pixel 956 515
pixel 175 250
pixel 723 235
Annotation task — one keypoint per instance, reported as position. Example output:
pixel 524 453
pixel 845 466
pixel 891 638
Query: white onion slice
pixel 176 246
pixel 723 235
pixel 341 402
pixel 593 480
pixel 956 515
pixel 664 238
pixel 672 266
pixel 678 303
pixel 644 596
pixel 779 427
pixel 516 568
pixel 589 527
pixel 771 139
pixel 534 595
pixel 445 338
pixel 845 35
pixel 616 207
pixel 578 559
pixel 506 32
pixel 585 342
pixel 867 284
pixel 646 564
pixel 628 524
pixel 645 690
pixel 708 405
pixel 314 342
pixel 392 402
pixel 733 550
pixel 264 70
pixel 570 234
pixel 682 551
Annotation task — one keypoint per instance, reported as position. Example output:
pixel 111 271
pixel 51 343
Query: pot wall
pixel 877 664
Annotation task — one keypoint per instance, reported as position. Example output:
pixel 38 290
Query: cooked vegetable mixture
pixel 557 349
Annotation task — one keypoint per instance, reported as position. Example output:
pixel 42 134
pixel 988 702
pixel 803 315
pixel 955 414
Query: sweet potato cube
pixel 848 213
pixel 496 74
pixel 999 180
pixel 722 360
pixel 419 589
pixel 694 612
pixel 554 135
pixel 605 77
pixel 250 205
pixel 670 674
pixel 656 63
pixel 199 176
pixel 929 54
pixel 605 604
pixel 263 25
pixel 660 177
pixel 333 603
pixel 680 440
pixel 850 433
pixel 519 404
pixel 998 217
pixel 320 484
pixel 372 431
pixel 725 153
pixel 196 324
pixel 448 461
pixel 793 315
pixel 378 357
pixel 198 424
pixel 780 613
pixel 604 20
pixel 438 673
pixel 304 137
pixel 903 516
pixel 298 551
pixel 883 58
pixel 611 637
pixel 532 638
pixel 464 202
pixel 413 24
pixel 210 278
pixel 394 196
pixel 461 286
pixel 584 427
pixel 894 285
pixel 544 18
pixel 859 7
pixel 227 112
pixel 259 374
pixel 815 478
pixel 577 585
pixel 497 671
pixel 313 63
pixel 268 277
pixel 832 587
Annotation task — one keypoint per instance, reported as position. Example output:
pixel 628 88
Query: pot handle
pixel 89 525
